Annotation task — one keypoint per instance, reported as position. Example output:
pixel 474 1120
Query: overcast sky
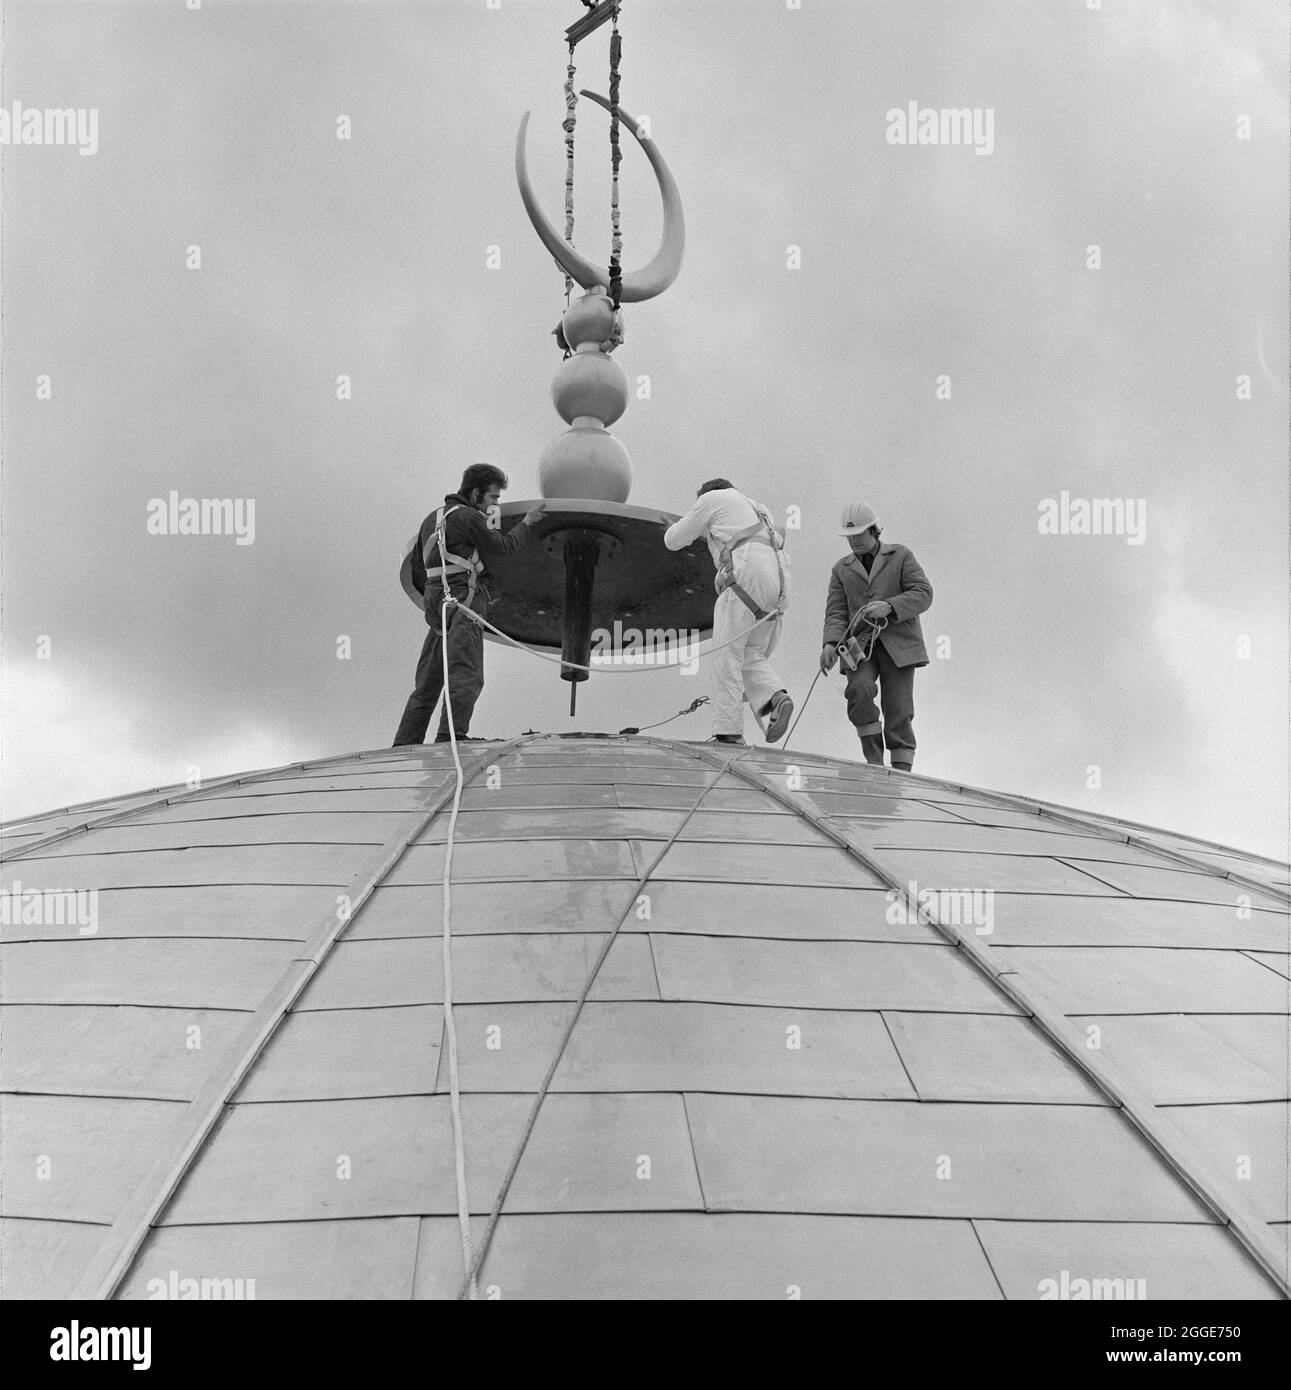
pixel 129 657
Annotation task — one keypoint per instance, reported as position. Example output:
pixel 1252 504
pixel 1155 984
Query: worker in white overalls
pixel 752 584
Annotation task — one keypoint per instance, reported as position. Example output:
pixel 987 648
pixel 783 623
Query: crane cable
pixel 616 158
pixel 616 230
pixel 567 125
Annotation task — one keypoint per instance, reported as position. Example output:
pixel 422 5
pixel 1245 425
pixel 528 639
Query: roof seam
pixel 1246 951
pixel 1172 856
pixel 443 1214
pixel 1056 811
pixel 897 1049
pixel 373 755
pixel 170 799
pixel 986 1256
pixel 694 1152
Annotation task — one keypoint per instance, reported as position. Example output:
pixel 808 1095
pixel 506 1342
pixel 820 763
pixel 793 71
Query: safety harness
pixel 726 570
pixel 453 564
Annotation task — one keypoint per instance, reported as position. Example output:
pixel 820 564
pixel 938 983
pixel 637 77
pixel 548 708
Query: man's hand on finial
pixel 616 334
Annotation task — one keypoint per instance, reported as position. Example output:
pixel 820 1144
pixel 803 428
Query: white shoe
pixel 781 714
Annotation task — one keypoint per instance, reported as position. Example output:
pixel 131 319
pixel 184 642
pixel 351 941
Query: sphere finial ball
pixel 586 462
pixel 590 383
pixel 589 319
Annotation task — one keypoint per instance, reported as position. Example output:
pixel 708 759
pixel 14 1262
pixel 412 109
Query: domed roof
pixel 854 1034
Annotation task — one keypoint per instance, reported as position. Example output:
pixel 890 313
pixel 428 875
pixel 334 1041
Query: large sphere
pixel 589 319
pixel 590 384
pixel 586 462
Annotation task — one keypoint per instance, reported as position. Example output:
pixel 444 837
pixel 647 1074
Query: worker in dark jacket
pixel 469 541
pixel 878 581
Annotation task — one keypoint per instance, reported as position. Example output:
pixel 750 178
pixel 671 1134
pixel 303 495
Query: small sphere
pixel 590 383
pixel 585 462
pixel 589 319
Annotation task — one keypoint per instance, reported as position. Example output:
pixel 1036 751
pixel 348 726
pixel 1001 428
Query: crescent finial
pixel 662 270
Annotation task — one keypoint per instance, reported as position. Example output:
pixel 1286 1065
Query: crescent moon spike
pixel 664 266
pixel 579 267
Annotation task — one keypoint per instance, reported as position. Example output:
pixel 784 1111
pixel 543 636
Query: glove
pixel 880 608
pixel 828 655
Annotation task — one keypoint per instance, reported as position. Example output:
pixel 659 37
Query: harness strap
pixel 726 573
pixel 452 564
pixel 743 596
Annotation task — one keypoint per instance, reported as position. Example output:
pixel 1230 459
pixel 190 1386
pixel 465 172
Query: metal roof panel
pixel 493 908
pixel 1143 980
pixel 986 1058
pixel 362 1259
pixel 1183 1060
pixel 503 860
pixel 741 863
pixel 821 974
pixel 110 1050
pixel 1173 1261
pixel 77 1158
pixel 195 974
pixel 742 1255
pixel 384 973
pixel 1031 1162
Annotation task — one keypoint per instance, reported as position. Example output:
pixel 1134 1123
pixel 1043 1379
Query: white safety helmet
pixel 857 517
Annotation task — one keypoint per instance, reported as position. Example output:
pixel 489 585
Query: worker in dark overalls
pixel 468 540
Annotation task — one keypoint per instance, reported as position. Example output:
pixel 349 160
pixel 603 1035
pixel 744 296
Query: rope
pixel 471 1261
pixel 690 709
pixel 487 1236
pixel 616 240
pixel 571 119
pixel 608 670
pixel 446 936
pixel 876 628
pixel 802 711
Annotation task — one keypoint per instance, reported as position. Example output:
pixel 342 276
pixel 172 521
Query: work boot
pixel 737 739
pixel 902 767
pixel 780 715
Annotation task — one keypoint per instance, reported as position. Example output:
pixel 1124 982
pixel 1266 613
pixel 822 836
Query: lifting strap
pixel 726 572
pixel 453 564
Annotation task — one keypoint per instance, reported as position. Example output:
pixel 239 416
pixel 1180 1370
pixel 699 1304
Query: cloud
pixel 66 740
pixel 366 257
pixel 1230 667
